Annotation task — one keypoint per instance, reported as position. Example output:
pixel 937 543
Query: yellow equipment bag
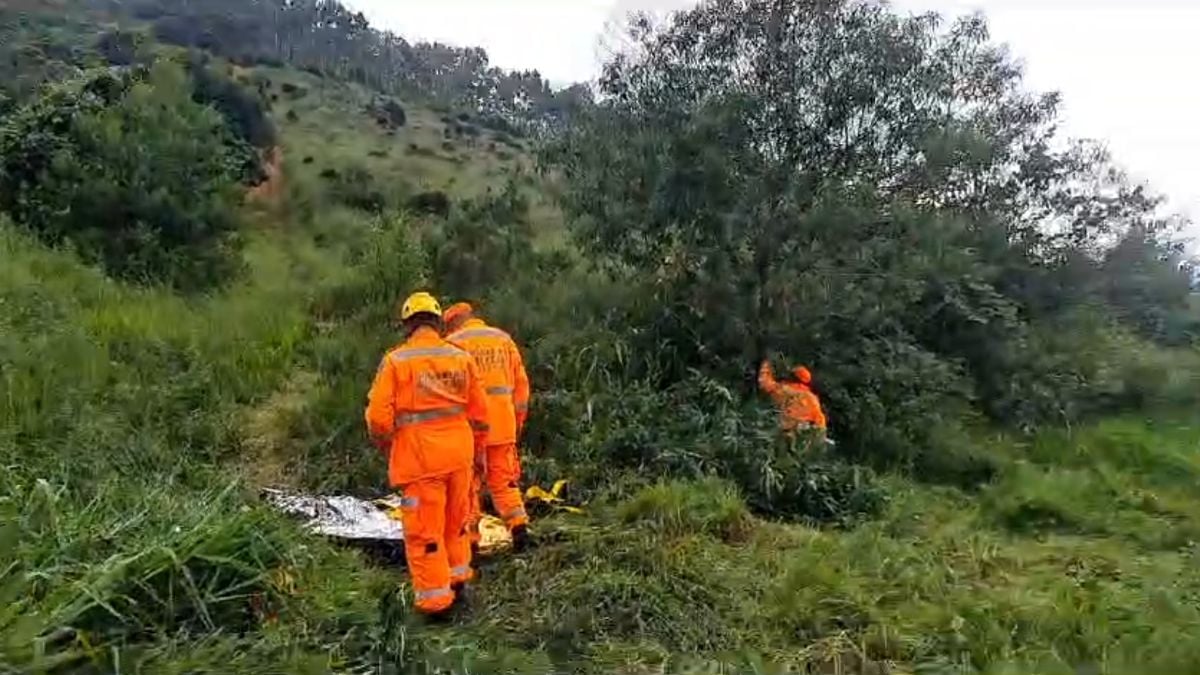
pixel 552 498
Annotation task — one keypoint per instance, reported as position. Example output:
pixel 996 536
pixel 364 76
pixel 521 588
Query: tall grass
pixel 127 531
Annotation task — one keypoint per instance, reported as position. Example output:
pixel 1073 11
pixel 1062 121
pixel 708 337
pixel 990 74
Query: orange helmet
pixel 457 312
pixel 804 375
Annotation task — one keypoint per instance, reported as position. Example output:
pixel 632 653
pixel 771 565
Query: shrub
pixel 433 202
pixel 356 187
pixel 294 91
pixel 696 429
pixel 500 125
pixel 243 111
pixel 388 113
pixel 120 48
pixel 484 241
pixel 131 171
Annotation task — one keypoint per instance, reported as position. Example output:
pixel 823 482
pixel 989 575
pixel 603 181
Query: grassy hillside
pixel 137 424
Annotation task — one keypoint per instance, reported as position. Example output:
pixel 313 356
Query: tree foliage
pixel 130 170
pixel 482 242
pixel 876 195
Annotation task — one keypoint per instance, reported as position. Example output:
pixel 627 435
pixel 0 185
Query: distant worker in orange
pixel 507 388
pixel 799 407
pixel 428 413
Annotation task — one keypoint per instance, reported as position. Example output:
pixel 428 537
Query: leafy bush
pixel 242 109
pixel 434 202
pixel 481 243
pixel 121 48
pixel 356 187
pixel 384 268
pixel 699 429
pixel 131 171
pixel 389 113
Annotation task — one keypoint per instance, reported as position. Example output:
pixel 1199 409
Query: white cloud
pixel 1125 68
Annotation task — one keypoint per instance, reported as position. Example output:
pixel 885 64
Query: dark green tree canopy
pixel 876 194
pixel 131 171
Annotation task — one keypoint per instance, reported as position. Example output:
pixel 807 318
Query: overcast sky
pixel 1127 68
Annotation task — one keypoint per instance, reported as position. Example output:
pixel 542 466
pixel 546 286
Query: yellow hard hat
pixel 420 303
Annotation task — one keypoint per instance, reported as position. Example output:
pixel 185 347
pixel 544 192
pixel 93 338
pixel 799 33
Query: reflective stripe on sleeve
pixel 499 391
pixel 479 426
pixel 409 502
pixel 460 571
pixel 409 418
pixel 477 332
pixel 421 352
pixel 522 407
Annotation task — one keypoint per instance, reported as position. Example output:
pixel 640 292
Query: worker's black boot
pixel 520 537
pixel 443 617
pixel 457 609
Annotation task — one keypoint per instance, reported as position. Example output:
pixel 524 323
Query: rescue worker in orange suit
pixel 507 388
pixel 427 412
pixel 799 407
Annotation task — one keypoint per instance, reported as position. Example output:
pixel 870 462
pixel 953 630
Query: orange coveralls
pixel 428 409
pixel 799 407
pixel 507 388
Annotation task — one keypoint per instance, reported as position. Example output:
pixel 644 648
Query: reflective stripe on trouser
pixel 433 594
pixel 503 482
pixel 435 512
pixel 461 574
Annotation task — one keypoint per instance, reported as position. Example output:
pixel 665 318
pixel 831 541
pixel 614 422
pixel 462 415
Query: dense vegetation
pixel 1001 325
pixel 881 207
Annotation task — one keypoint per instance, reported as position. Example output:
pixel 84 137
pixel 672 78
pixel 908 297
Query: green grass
pixel 936 585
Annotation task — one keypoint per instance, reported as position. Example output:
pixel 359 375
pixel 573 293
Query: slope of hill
pixel 138 422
